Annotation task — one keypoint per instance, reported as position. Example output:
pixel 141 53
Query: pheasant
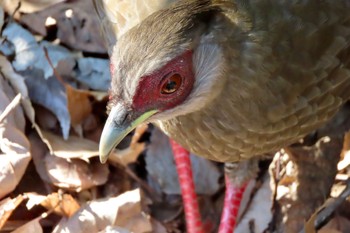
pixel 228 80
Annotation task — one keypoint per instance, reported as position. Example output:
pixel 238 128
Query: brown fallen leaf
pixel 75 174
pixel 345 154
pixel 74 148
pixel 79 105
pixel 18 84
pixel 14 145
pixel 123 211
pixel 62 204
pixel 84 149
pixel 7 206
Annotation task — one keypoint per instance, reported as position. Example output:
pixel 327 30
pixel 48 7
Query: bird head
pixel 166 66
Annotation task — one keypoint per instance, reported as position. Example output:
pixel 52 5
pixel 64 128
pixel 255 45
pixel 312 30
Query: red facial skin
pixel 149 95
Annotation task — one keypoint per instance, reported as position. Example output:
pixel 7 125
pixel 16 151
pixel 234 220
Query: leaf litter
pixel 54 81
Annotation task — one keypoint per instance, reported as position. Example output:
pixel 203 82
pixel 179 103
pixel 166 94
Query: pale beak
pixel 117 126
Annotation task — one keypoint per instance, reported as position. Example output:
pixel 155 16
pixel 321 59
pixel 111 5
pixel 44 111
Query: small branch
pixel 57 75
pixel 324 215
pixel 14 103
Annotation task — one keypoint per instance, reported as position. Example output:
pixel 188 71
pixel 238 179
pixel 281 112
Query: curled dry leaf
pixel 12 163
pixel 17 82
pixel 14 145
pixel 62 204
pixel 49 93
pixel 74 148
pixel 15 116
pixel 7 206
pixel 75 174
pixel 123 211
pixel 79 105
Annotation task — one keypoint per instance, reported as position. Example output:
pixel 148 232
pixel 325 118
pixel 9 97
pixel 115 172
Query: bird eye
pixel 171 84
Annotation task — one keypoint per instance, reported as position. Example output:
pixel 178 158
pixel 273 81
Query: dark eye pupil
pixel 171 86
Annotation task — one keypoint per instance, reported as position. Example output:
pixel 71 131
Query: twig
pixel 55 72
pixel 323 216
pixel 14 103
pixel 16 9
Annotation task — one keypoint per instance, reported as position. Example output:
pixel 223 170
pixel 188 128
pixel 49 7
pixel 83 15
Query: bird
pixel 229 80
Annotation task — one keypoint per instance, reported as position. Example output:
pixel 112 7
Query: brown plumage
pixel 287 72
pixel 282 69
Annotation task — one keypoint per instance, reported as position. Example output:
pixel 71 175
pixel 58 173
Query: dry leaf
pixel 14 117
pixel 345 154
pixel 14 145
pixel 72 174
pixel 94 72
pixel 7 206
pixel 75 147
pixel 79 105
pixel 30 227
pixel 121 211
pixel 62 204
pixel 17 82
pixel 75 174
pixel 76 23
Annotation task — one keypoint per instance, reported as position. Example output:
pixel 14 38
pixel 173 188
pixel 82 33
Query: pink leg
pixel 183 166
pixel 233 198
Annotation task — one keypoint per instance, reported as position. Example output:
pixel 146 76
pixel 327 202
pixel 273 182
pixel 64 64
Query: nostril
pixel 121 119
pixel 125 117
pixel 119 114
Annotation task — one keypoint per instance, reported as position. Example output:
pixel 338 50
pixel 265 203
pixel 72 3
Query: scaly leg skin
pixel 237 176
pixel 232 202
pixel 183 166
